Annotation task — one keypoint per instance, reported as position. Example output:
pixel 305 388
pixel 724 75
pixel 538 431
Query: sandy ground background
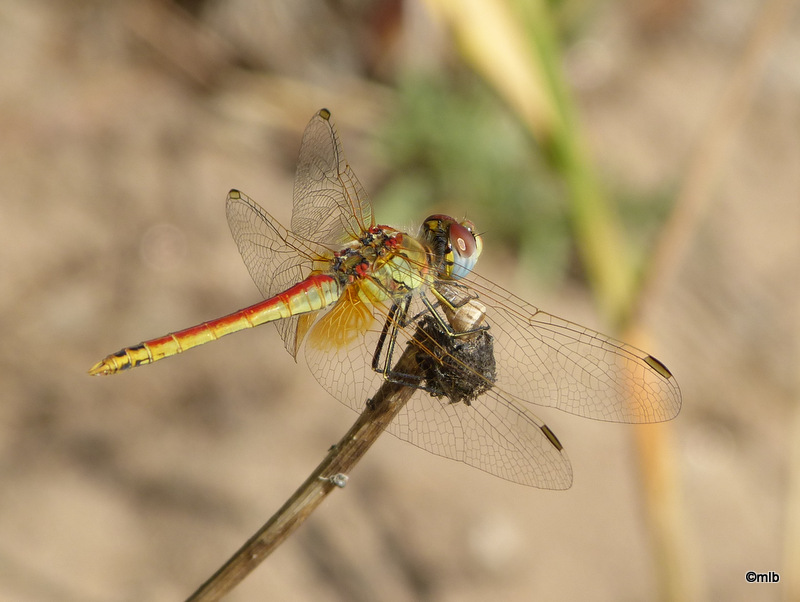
pixel 124 124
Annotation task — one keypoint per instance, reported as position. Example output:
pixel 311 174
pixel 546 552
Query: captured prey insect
pixel 354 293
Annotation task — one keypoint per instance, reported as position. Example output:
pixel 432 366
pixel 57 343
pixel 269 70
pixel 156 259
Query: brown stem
pixel 380 411
pixel 343 456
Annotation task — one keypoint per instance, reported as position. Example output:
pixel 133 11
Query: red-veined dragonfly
pixel 353 292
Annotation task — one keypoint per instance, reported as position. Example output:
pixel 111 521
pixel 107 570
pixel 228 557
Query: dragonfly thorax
pixel 389 263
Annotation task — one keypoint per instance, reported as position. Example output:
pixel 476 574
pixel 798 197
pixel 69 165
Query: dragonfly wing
pixel 340 346
pixel 276 259
pixel 330 205
pixel 550 361
pixel 492 433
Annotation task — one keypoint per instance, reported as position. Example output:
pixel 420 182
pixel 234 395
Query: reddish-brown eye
pixel 465 248
pixel 462 240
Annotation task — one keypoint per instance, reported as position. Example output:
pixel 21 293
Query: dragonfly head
pixel 455 245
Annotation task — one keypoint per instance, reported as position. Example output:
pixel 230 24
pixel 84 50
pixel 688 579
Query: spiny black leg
pixel 396 319
pixel 379 347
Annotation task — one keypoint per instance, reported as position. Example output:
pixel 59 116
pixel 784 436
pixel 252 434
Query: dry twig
pixel 333 471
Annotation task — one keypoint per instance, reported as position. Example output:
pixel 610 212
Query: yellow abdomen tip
pixel 100 368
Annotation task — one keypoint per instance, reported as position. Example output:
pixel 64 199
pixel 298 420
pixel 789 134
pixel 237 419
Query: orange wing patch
pixel 347 321
pixel 304 322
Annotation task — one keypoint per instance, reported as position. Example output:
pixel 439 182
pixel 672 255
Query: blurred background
pixel 633 166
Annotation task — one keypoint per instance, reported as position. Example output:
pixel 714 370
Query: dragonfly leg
pixel 452 364
pixel 390 319
pixel 387 343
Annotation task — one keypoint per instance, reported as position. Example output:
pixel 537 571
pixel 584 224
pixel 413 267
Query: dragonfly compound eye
pixel 465 248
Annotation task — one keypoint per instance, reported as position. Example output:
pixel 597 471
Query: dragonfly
pixel 353 293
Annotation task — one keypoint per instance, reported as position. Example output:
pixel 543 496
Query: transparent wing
pixel 494 433
pixel 275 257
pixel 330 205
pixel 549 361
pixel 540 358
